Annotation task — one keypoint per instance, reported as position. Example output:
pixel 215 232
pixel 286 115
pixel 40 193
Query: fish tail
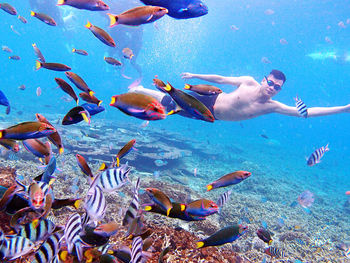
pixel 60 2
pixel 168 211
pixel 63 255
pixel 270 242
pixel 187 86
pixel 1 134
pixel 118 161
pixel 200 244
pixel 61 150
pixel 113 20
pixel 32 13
pixel 182 207
pixel 112 101
pixel 167 87
pixel 37 64
pixel 147 208
pixel 99 103
pixel 91 93
pixel 209 187
pixel 73 50
pixel 326 149
pixel 102 167
pixel 77 203
pixel 88 25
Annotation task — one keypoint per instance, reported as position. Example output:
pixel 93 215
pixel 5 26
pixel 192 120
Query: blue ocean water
pixel 230 40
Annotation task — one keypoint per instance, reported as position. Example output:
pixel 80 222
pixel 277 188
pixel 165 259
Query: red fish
pixel 27 130
pixel 229 179
pixel 101 34
pixel 138 16
pixel 44 17
pixel 139 105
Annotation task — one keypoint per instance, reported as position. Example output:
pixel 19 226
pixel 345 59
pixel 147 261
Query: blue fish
pixel 181 9
pixel 93 108
pixel 4 101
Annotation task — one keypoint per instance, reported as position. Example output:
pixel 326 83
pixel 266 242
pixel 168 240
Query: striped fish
pixel 136 250
pixel 71 233
pixel 95 204
pixel 316 156
pixel 275 252
pixel 112 178
pixel 224 198
pixel 49 249
pixel 134 205
pixel 15 247
pixel 347 253
pixel 37 230
pixel 301 107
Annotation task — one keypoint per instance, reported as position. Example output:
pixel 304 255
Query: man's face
pixel 271 86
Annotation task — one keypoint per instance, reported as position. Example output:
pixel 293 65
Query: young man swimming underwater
pixel 251 98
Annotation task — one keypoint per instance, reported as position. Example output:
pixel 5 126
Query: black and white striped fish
pixel 71 234
pixel 301 107
pixel 316 156
pixel 49 249
pixel 95 203
pixel 15 247
pixel 224 198
pixel 112 178
pixel 136 250
pixel 275 252
pixel 37 230
pixel 134 207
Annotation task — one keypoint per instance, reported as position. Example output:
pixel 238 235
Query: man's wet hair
pixel 278 75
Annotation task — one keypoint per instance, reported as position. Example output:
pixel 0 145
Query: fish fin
pixel 118 161
pixel 8 109
pixel 86 119
pixel 99 103
pixel 148 19
pixel 182 207
pixel 113 20
pixel 37 64
pixel 326 147
pixel 63 255
pixel 91 93
pixel 32 13
pixel 200 244
pixel 187 86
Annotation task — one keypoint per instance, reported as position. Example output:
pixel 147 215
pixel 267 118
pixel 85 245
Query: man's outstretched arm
pixel 235 81
pixel 312 112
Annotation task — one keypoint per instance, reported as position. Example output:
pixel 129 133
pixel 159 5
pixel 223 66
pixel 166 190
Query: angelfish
pixel 316 156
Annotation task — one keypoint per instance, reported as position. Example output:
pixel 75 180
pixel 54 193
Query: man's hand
pixel 186 75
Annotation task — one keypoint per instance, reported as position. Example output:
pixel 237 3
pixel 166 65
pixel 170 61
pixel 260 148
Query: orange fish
pixel 138 16
pixel 229 179
pixel 101 34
